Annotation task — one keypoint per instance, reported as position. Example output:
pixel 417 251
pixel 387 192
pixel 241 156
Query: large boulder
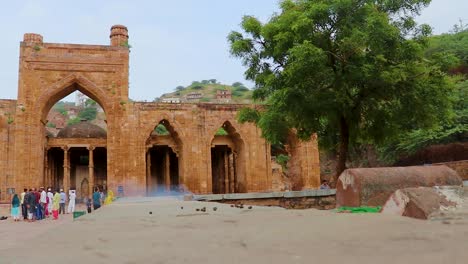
pixel 373 186
pixel 420 203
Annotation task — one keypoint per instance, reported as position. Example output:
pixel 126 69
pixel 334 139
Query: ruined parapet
pixel 32 38
pixel 119 35
pixel 423 202
pixel 373 186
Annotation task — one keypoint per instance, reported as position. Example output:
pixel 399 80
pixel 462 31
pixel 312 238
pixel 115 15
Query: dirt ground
pixel 126 232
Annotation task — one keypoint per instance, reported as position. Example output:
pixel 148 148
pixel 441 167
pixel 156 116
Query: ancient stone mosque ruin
pixel 129 157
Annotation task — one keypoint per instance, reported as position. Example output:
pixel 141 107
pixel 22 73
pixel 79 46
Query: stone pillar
pixel 46 168
pixel 119 35
pixel 149 180
pixel 226 172
pixel 91 170
pixel 231 173
pixel 66 169
pixel 167 171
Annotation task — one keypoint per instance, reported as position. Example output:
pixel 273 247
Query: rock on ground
pixel 422 202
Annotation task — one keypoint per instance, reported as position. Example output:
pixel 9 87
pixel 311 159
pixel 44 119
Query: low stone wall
pixel 318 199
pixel 461 167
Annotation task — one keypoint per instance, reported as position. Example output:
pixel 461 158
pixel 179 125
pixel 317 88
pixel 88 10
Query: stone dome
pixel 83 129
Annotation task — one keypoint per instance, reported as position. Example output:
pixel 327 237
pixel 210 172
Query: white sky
pixel 173 42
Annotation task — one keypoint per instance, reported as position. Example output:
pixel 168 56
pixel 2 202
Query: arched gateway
pixel 131 156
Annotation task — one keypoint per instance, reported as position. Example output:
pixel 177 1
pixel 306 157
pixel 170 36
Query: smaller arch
pixel 164 159
pixel 230 129
pixel 228 161
pixel 66 86
pixel 175 127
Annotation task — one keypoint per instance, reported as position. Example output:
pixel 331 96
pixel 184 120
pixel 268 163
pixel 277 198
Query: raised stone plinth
pixel 319 199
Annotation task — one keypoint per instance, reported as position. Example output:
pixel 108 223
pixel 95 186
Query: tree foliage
pixel 88 113
pixel 221 132
pixel 352 71
pixel 73 121
pixel 161 130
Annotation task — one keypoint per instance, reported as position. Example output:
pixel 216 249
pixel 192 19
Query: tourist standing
pixel 15 208
pixel 71 201
pixel 30 200
pixel 37 205
pixel 109 198
pixel 56 205
pixel 50 198
pixel 63 199
pixel 102 195
pixel 96 199
pixel 24 209
pixel 43 203
pixel 88 204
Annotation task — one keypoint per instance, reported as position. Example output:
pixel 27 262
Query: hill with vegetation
pixel 207 89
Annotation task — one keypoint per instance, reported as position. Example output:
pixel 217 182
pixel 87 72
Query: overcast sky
pixel 173 42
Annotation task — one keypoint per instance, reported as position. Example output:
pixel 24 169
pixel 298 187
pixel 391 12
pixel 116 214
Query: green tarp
pixel 362 209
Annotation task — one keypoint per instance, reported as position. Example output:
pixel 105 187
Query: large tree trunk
pixel 343 150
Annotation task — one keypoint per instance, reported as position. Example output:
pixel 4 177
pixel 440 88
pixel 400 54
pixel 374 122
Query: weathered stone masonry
pixel 49 71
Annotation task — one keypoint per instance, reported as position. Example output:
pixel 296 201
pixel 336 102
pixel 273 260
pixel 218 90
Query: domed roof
pixel 83 129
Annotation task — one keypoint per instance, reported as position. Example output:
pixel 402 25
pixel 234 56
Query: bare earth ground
pixel 125 232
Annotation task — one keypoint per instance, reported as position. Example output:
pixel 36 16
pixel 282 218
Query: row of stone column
pixel 166 170
pixel 50 172
pixel 229 172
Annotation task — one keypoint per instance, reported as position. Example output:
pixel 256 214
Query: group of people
pixel 40 204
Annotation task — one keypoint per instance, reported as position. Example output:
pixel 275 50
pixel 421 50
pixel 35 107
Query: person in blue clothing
pixel 96 199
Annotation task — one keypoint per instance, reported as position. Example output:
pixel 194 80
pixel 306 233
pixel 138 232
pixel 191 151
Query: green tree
pixel 237 84
pixel 352 71
pixel 52 125
pixel 213 81
pixel 60 107
pixel 221 132
pixel 73 121
pixel 161 130
pixel 179 88
pixel 90 103
pixel 88 113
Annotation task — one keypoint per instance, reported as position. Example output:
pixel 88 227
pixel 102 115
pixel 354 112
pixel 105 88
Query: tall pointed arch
pixel 64 87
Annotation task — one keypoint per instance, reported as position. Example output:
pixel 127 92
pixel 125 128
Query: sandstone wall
pixel 49 71
pixel 7 114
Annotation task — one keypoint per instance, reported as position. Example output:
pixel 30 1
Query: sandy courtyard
pixel 125 232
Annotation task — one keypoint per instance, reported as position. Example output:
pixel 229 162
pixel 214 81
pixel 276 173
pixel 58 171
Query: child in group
pixel 88 204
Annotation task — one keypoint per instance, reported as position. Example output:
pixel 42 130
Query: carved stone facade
pixel 135 160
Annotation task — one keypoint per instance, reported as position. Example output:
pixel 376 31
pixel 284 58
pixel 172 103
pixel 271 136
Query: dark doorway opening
pixel 164 170
pixel 223 170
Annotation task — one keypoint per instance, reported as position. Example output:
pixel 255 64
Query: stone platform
pixel 319 199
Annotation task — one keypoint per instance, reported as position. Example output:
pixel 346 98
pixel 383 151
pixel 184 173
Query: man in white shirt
pixel 43 202
pixel 71 201
pixel 50 195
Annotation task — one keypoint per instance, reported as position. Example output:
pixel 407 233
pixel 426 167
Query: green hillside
pixel 208 88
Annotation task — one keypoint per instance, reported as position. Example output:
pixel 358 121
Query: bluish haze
pixel 173 42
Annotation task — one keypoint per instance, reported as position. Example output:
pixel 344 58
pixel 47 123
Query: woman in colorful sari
pixel 56 205
pixel 15 205
pixel 109 198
